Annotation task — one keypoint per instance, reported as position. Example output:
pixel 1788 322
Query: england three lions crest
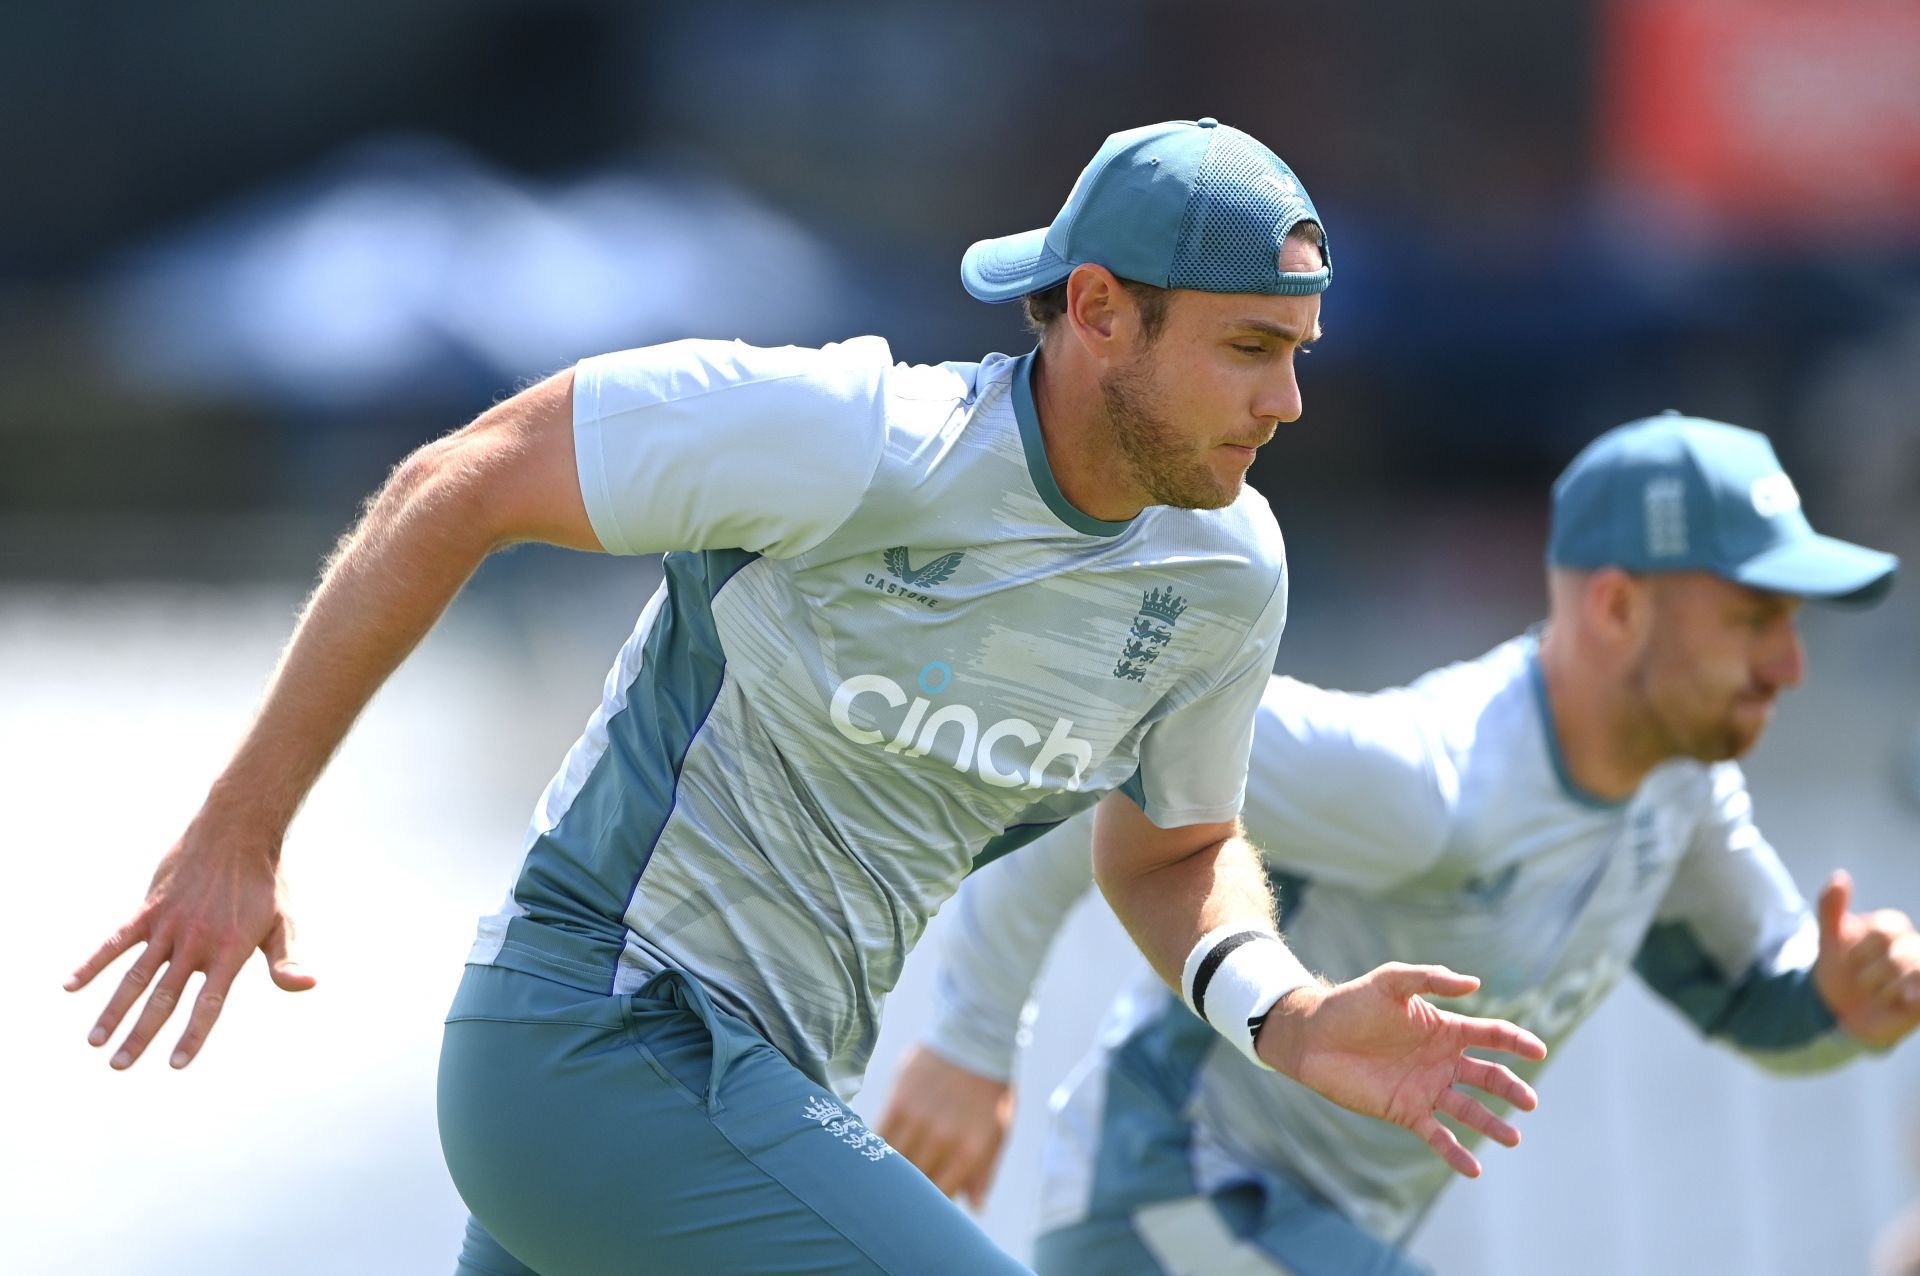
pixel 1151 631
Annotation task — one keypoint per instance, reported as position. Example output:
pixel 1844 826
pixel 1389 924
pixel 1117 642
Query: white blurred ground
pixel 303 1140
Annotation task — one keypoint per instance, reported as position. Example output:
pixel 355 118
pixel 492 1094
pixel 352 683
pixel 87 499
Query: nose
pixel 1279 395
pixel 1786 663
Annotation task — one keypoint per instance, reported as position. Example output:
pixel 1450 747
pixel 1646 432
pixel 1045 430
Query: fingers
pixel 935 1157
pixel 160 1006
pixel 285 968
pixel 1891 921
pixel 1498 1034
pixel 1497 1081
pixel 969 1164
pixel 138 979
pixel 1903 995
pixel 1883 958
pixel 206 1010
pixel 980 1181
pixel 960 1162
pixel 1434 981
pixel 1875 976
pixel 1836 897
pixel 1873 949
pixel 1447 1147
pixel 920 1141
pixel 134 932
pixel 1476 1115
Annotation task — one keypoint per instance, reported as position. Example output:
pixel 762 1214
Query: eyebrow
pixel 1283 332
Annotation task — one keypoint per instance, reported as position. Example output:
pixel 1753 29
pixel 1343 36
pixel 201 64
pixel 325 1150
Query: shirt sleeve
pixel 1733 943
pixel 722 445
pixel 1007 916
pixel 1350 789
pixel 1193 762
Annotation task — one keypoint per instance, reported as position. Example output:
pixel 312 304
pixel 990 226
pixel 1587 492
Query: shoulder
pixel 1386 733
pixel 1437 729
pixel 1249 524
pixel 1714 793
pixel 1492 703
pixel 851 372
pixel 1467 686
pixel 1239 545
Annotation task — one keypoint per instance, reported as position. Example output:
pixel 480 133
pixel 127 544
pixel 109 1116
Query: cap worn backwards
pixel 1679 493
pixel 1187 204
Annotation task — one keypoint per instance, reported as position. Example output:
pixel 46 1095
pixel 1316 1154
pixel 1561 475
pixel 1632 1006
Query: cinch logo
pixel 919 731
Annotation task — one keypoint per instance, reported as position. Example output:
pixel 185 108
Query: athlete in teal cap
pixel 1549 815
pixel 913 617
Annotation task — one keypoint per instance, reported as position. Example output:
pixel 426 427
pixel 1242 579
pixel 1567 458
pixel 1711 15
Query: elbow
pixel 439 490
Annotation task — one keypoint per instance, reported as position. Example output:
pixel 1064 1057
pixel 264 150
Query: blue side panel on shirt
pixel 1757 1012
pixel 580 875
pixel 1016 836
pixel 1011 839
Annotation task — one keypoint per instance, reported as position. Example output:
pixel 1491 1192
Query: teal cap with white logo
pixel 1678 493
pixel 1187 204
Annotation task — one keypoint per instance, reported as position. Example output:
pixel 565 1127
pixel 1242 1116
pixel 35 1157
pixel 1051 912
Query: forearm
pixel 1773 1012
pixel 380 592
pixel 1168 907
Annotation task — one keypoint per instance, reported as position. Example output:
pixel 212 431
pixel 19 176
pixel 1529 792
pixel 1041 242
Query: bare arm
pixel 1374 1044
pixel 507 477
pixel 1171 886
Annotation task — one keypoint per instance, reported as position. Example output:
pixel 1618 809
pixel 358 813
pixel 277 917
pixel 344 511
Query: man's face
pixel 1716 657
pixel 1190 408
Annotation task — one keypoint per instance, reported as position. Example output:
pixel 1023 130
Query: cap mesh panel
pixel 1228 242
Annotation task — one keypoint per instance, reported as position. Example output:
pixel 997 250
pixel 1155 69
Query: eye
pixel 1247 349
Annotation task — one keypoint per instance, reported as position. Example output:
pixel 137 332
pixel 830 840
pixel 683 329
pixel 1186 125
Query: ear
pixel 1098 312
pixel 1619 609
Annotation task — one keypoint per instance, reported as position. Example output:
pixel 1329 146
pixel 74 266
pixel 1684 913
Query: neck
pixel 1594 718
pixel 1078 436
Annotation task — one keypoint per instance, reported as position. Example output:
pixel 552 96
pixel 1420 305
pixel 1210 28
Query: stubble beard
pixel 1720 739
pixel 1157 459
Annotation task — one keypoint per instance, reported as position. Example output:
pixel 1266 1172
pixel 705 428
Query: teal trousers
pixel 656 1134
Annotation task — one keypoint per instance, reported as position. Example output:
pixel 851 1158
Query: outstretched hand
pixel 1376 1046
pixel 950 1121
pixel 1868 970
pixel 207 910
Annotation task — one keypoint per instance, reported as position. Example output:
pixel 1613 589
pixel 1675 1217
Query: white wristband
pixel 1234 975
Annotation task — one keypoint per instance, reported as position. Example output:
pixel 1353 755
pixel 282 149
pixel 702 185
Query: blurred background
pixel 251 255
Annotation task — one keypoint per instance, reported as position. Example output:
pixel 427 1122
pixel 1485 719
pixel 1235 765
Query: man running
pixel 912 617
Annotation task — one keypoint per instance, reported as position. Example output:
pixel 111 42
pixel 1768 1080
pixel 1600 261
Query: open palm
pixel 1374 1045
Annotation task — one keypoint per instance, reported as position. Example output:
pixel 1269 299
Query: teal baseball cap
pixel 1679 493
pixel 1186 204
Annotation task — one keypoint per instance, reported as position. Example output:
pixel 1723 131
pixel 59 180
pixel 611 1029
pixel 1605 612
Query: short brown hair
pixel 1048 304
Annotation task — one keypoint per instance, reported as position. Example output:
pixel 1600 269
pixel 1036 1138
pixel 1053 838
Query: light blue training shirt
pixel 887 649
